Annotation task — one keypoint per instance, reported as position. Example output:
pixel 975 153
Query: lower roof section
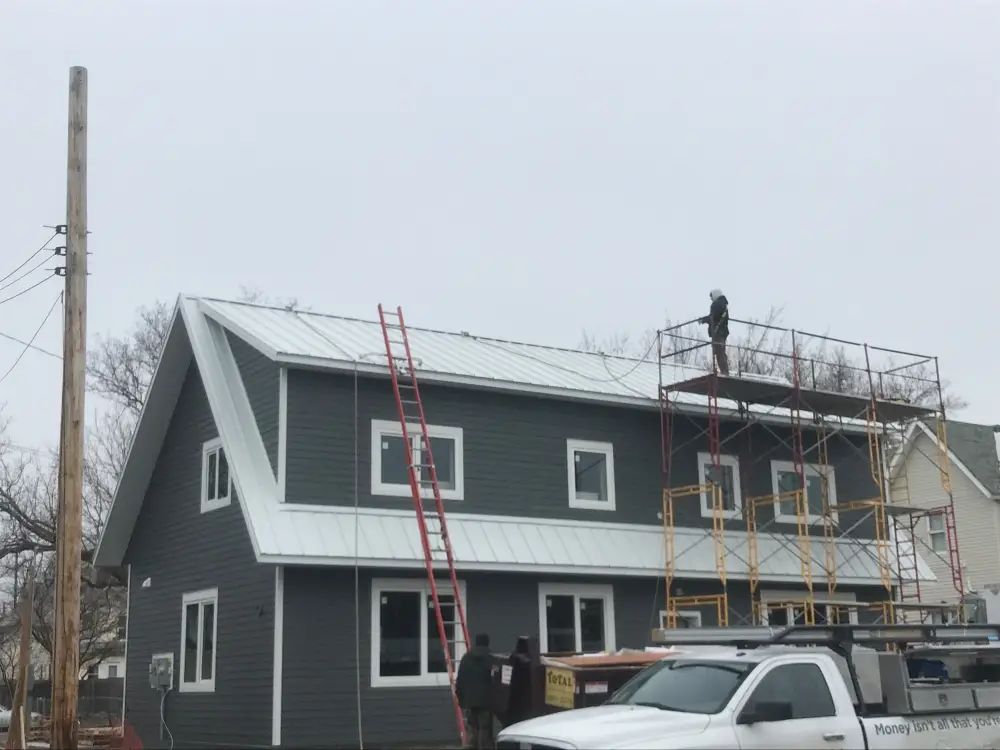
pixel 320 535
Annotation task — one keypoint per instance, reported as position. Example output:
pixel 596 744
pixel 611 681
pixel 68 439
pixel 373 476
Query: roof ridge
pixel 490 339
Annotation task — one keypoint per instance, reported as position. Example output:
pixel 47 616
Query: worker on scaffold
pixel 718 329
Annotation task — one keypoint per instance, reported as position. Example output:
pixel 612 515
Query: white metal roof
pixel 308 338
pixel 323 535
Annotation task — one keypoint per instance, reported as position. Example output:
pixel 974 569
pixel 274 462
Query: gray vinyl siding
pixel 182 550
pixel 320 672
pixel 515 452
pixel 260 378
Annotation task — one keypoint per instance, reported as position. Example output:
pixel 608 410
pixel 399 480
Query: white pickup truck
pixel 786 689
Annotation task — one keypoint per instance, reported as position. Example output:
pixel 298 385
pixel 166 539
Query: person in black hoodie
pixel 718 328
pixel 472 686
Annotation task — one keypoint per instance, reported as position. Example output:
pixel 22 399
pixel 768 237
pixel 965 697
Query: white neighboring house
pixel 915 480
pixel 112 665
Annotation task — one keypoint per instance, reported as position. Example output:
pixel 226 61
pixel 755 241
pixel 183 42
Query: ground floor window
pixel 686 618
pixel 789 608
pixel 576 618
pixel 199 628
pixel 405 643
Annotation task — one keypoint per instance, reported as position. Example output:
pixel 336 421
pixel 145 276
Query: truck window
pixel 802 685
pixel 697 687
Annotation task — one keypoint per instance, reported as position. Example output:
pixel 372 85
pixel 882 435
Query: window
pixel 804 686
pixel 726 476
pixel 785 479
pixel 112 671
pixel 405 643
pixel 199 627
pixel 591 475
pixel 783 608
pixel 937 536
pixel 216 482
pixel 686 618
pixel 576 618
pixel 391 472
pixel 120 628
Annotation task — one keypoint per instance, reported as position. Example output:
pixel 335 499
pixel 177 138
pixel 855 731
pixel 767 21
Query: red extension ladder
pixel 430 520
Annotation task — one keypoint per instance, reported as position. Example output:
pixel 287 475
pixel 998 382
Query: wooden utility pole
pixel 69 542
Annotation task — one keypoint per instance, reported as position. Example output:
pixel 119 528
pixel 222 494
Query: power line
pixel 33 337
pixel 30 346
pixel 28 259
pixel 25 291
pixel 25 275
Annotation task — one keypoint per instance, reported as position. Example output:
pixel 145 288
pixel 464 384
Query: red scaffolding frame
pixel 816 413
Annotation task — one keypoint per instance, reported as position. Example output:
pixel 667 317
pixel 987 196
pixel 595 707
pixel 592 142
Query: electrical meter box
pixel 161 672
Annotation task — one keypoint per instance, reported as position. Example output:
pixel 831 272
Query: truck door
pixel 791 706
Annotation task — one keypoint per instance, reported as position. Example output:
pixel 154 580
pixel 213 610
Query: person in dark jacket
pixel 718 329
pixel 472 686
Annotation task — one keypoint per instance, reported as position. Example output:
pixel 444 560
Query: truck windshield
pixel 696 687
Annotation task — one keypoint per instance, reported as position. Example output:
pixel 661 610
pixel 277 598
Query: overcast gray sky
pixel 517 169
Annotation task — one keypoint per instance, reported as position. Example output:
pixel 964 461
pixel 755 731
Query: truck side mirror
pixel 765 711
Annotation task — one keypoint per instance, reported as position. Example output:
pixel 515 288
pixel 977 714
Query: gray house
pixel 272 544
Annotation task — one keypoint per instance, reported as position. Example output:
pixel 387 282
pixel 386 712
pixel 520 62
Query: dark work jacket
pixel 473 683
pixel 718 318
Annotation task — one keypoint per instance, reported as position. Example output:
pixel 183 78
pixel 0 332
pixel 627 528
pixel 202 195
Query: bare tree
pixel 256 296
pixel 763 347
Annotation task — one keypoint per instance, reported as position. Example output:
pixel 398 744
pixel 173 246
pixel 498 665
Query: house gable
pixel 194 338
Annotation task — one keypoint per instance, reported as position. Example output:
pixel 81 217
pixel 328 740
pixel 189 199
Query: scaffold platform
pixel 750 390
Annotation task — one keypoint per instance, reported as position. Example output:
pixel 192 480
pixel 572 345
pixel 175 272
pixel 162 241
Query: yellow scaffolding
pixel 719 601
pixel 829 523
pixel 802 541
pixel 714 493
pixel 832 403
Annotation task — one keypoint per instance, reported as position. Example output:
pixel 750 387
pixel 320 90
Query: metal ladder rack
pixel 423 476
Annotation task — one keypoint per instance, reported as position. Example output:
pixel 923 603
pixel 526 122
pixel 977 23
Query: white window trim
pixel 589 446
pixel 810 470
pixel 425 679
pixel 733 462
pixel 605 592
pixel 799 597
pixel 206 596
pixel 209 505
pixel 691 615
pixel 942 532
pixel 381 427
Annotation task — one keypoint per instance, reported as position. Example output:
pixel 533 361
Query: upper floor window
pixel 391 471
pixel 591 474
pixel 405 644
pixel 785 480
pixel 199 626
pixel 216 482
pixel 727 477
pixel 937 535
pixel 576 618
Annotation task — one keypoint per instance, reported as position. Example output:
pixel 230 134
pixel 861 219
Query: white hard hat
pixel 715 294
